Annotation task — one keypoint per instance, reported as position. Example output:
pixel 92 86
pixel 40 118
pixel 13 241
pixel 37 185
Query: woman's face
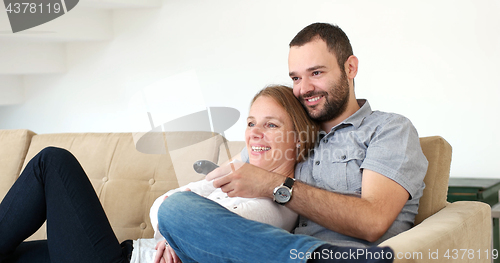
pixel 270 137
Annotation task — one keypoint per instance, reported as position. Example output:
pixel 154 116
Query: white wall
pixel 435 62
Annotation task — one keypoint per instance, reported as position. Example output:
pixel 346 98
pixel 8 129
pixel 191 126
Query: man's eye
pixel 315 73
pixel 295 78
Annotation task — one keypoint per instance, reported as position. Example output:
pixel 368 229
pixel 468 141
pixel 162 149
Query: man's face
pixel 318 82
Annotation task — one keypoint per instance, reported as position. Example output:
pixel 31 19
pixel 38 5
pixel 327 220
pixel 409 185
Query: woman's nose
pixel 257 133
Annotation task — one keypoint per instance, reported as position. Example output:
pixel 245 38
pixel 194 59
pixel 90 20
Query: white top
pixel 259 209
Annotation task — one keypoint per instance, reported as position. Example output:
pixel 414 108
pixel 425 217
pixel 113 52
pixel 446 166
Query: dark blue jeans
pixel 54 187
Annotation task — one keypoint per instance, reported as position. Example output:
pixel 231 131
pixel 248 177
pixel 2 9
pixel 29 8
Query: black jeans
pixel 54 187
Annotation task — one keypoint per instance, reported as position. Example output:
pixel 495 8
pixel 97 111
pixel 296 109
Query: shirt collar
pixel 357 118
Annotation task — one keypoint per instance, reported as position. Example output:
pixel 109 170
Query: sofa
pixel 128 180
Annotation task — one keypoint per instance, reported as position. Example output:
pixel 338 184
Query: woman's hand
pixel 187 189
pixel 224 170
pixel 165 254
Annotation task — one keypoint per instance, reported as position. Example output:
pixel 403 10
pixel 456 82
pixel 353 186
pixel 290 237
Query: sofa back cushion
pixel 127 181
pixel 438 152
pixel 14 146
pixel 231 148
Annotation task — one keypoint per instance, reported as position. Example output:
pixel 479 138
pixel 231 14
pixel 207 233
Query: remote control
pixel 204 166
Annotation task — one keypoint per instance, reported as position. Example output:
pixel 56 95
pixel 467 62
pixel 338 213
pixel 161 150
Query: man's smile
pixel 312 101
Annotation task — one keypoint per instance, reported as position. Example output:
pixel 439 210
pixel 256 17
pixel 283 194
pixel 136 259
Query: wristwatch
pixel 283 193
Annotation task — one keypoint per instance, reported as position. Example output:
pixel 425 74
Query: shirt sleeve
pixel 244 155
pixel 395 152
pixel 268 212
pixel 202 187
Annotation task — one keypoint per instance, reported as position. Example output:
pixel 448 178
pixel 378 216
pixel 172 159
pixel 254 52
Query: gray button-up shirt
pixel 385 143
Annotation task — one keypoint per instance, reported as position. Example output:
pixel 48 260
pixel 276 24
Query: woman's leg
pixel 53 186
pixel 29 252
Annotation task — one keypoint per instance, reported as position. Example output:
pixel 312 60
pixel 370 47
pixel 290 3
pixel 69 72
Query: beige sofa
pixel 128 181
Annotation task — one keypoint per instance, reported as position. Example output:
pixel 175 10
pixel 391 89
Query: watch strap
pixel 289 182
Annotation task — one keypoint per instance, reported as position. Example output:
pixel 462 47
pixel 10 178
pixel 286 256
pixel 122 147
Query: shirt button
pixel 304 224
pixel 344 157
pixel 317 162
pixel 326 141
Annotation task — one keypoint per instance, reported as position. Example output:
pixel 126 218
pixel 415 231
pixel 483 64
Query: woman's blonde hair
pixel 303 125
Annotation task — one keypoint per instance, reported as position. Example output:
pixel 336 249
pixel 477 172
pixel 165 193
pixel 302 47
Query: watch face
pixel 282 195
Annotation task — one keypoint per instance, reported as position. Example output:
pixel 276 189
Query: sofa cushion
pixel 14 146
pixel 438 152
pixel 126 180
pixel 234 148
pixel 460 226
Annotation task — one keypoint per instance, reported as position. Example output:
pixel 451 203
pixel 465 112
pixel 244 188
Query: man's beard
pixel 335 100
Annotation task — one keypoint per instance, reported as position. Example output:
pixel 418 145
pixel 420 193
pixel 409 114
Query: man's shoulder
pixel 386 116
pixel 382 119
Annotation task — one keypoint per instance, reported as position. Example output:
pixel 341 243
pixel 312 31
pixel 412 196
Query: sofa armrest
pixel 459 229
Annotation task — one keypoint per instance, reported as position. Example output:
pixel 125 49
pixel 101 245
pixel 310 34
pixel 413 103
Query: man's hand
pixel 165 254
pixel 240 179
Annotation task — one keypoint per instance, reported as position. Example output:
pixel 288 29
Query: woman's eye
pixel 250 124
pixel 272 125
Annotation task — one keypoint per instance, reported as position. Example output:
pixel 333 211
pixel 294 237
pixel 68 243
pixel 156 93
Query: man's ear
pixel 351 67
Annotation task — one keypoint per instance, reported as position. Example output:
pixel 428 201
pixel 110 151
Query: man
pixel 360 187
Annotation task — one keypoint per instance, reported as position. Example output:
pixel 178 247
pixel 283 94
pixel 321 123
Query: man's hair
pixel 305 128
pixel 336 40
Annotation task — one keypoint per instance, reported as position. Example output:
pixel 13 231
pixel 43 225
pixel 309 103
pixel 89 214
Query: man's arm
pixel 367 217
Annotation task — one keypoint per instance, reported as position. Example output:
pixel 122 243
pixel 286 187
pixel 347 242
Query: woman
pixel 275 122
pixel 77 227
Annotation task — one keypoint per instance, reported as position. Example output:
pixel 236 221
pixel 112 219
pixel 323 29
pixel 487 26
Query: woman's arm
pixel 202 187
pixel 266 211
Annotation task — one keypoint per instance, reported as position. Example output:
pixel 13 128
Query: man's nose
pixel 305 86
